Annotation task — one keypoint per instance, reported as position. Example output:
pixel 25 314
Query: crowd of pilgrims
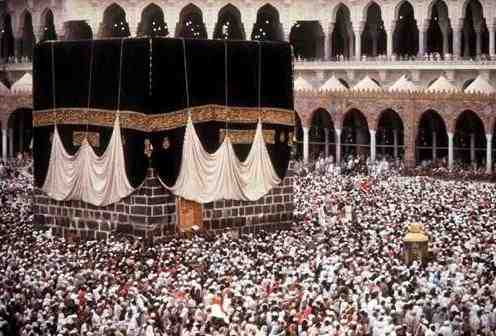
pixel 335 273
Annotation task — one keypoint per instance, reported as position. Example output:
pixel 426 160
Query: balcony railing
pixel 25 64
pixel 397 63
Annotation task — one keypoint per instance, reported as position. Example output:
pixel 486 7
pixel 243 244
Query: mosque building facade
pixel 410 79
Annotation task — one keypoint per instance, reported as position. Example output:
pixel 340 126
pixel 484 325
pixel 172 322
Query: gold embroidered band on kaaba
pixel 165 121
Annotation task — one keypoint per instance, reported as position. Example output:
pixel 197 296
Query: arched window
pixel 28 40
pixel 191 23
pixel 268 26
pixel 48 27
pixel 229 25
pixel 342 36
pixel 114 22
pixel 406 32
pixel 374 37
pixel 152 22
pixel 307 38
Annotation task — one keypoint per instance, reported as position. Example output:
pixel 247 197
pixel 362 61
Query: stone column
pixel 434 146
pixel 457 41
pixel 492 36
pixel 21 135
pixel 450 150
pixel 11 142
pixel 372 145
pixel 338 145
pixel 389 46
pixel 306 131
pixel 409 140
pixel 489 153
pixel 358 43
pixel 472 147
pixel 326 142
pixel 395 143
pixel 4 144
pixel 422 35
pixel 210 27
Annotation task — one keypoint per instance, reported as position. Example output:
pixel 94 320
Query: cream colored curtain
pixel 85 176
pixel 208 177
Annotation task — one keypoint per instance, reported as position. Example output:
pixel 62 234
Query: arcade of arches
pixel 454 128
pixel 366 29
pixel 16 128
pixel 413 127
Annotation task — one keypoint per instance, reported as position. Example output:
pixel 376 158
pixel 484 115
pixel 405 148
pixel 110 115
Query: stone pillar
pixel 21 135
pixel 492 36
pixel 489 153
pixel 389 46
pixel 358 43
pixel 395 143
pixel 306 131
pixel 327 54
pixel 11 142
pixel 457 41
pixel 372 145
pixel 326 142
pixel 4 144
pixel 434 146
pixel 338 146
pixel 422 35
pixel 472 147
pixel 450 150
pixel 210 27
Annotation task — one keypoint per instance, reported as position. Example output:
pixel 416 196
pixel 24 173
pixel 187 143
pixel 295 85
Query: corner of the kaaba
pixel 154 86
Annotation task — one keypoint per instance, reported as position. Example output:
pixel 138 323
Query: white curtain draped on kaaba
pixel 206 177
pixel 85 176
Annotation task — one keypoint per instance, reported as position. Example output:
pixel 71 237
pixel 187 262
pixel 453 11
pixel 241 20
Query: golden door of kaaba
pixel 189 214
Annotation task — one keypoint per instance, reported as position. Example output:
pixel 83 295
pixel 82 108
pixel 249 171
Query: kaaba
pixel 153 136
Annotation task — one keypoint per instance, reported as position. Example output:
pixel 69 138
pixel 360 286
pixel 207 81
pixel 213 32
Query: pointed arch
pixel 229 25
pixel 469 138
pixel 432 136
pixel 475 35
pixel 340 5
pixel 355 136
pixel 7 38
pixel 47 25
pixel 439 32
pixel 307 39
pixel 374 36
pixel 191 23
pixel 389 133
pixel 114 22
pixel 268 26
pixel 405 36
pixel 21 122
pixel 28 39
pixel 342 35
pixel 152 22
pixel 321 133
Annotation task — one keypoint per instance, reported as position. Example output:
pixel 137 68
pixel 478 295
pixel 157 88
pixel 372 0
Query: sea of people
pixel 332 274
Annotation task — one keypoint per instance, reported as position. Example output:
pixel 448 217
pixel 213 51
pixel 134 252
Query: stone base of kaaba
pixel 151 213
